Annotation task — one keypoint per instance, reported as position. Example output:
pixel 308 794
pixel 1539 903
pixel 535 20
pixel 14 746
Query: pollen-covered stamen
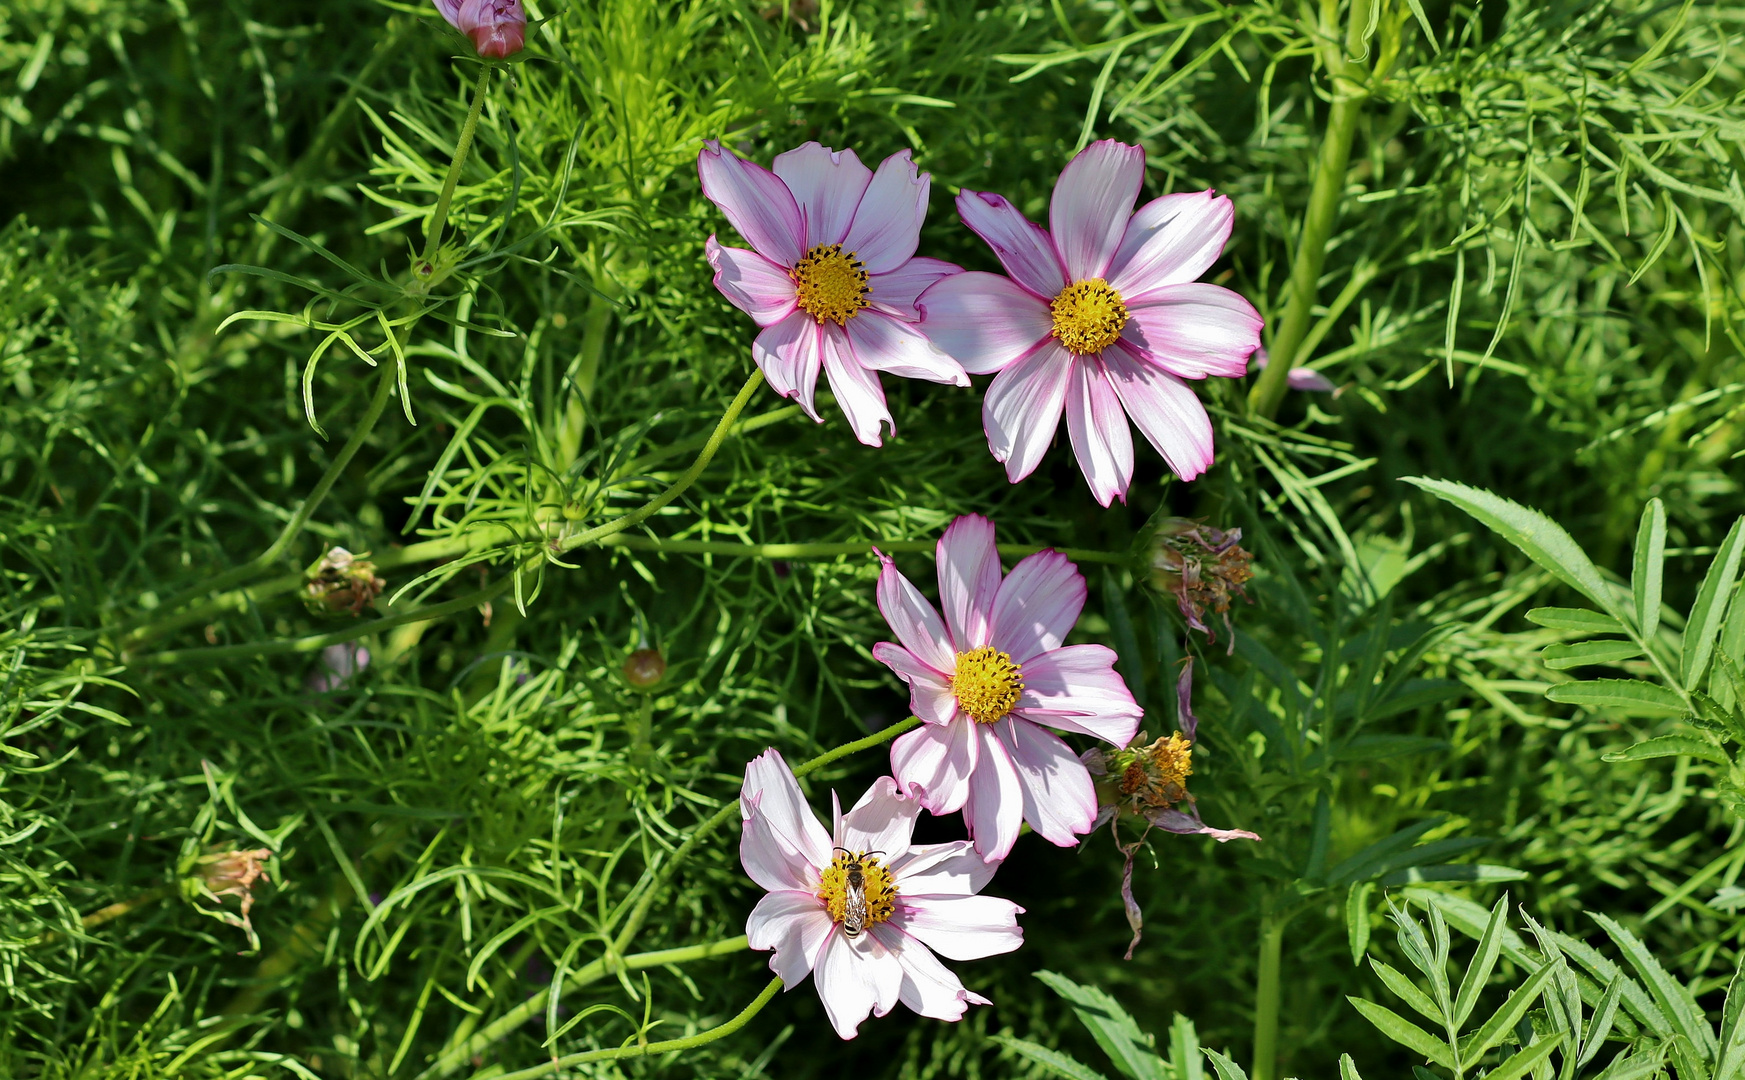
pixel 1156 776
pixel 987 684
pixel 876 882
pixel 830 283
pixel 1088 316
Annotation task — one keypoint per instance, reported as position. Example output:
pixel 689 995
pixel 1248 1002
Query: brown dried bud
pixel 224 871
pixel 644 668
pixel 340 581
pixel 1202 567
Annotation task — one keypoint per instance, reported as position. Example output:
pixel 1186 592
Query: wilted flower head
pixel 498 27
pixel 340 581
pixel 1202 568
pixel 224 871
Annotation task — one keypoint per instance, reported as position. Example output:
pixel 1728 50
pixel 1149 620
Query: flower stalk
pixel 1268 993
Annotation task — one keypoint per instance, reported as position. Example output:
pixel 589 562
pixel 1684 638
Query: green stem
pixel 689 1042
pixel 830 551
pixel 107 914
pixel 439 216
pixel 1267 994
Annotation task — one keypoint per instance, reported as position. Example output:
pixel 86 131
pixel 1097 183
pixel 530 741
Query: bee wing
pixel 854 909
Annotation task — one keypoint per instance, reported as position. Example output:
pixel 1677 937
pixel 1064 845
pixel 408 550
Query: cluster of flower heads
pixel 1101 318
pixel 862 909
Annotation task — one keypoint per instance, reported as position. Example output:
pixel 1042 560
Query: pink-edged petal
pixel 969 578
pixel 917 625
pixel 951 869
pixel 1165 411
pixel 795 925
pixel 994 811
pixel 756 203
pixel 857 389
pixel 856 976
pixel 1190 825
pixel 1037 605
pixel 1022 410
pixel 883 820
pixel 929 987
pixel 1093 200
pixel 751 282
pixel 961 927
pixel 894 293
pixel 772 859
pixel 984 320
pixel 1059 801
pixel 1024 249
pixel 1195 330
pixel 1097 426
pixel 771 791
pixel 449 10
pixel 827 184
pixel 935 762
pixel 930 694
pixel 1077 689
pixel 1171 240
pixel 789 354
pixel 887 225
pixel 884 343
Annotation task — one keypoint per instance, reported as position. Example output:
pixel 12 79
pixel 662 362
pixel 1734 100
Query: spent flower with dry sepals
pixel 341 582
pixel 1202 567
pixel 831 276
pixel 224 870
pixel 862 908
pixel 498 28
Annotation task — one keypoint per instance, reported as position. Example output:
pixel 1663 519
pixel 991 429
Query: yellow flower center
pixel 987 684
pixel 1088 316
pixel 1158 774
pixel 871 899
pixel 830 283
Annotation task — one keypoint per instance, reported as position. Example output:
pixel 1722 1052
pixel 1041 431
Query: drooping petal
pixel 751 282
pixel 1164 409
pixel 1059 801
pixel 894 293
pixel 882 342
pixel 935 763
pixel 914 621
pixel 983 320
pixel 1190 825
pixel 1097 426
pixel 789 354
pixel 887 224
pixel 771 791
pixel 929 987
pixel 1184 701
pixel 772 859
pixel 1093 200
pixel 961 927
pixel 795 925
pixel 1076 688
pixel 994 810
pixel 930 695
pixel 856 976
pixel 857 390
pixel 827 184
pixel 1195 330
pixel 1022 410
pixel 969 578
pixel 1171 240
pixel 882 821
pixel 1037 605
pixel 1024 249
pixel 755 201
pixel 951 869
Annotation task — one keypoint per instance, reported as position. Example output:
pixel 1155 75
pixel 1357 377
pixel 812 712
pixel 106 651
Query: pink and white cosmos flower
pixel 832 278
pixel 1102 317
pixel 498 27
pixel 920 899
pixel 987 677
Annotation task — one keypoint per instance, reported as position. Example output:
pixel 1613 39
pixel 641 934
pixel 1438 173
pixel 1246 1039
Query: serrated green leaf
pixel 1348 1068
pixel 1184 1050
pixel 1704 624
pixel 1732 1043
pixel 1502 1021
pixel 1674 1000
pixel 1537 536
pixel 1483 961
pixel 1404 1032
pixel 1601 1024
pixel 1670 746
pixel 1524 1061
pixel 1357 919
pixel 1224 1067
pixel 1404 989
pixel 1629 697
pixel 1115 1031
pixel 1480 872
pixel 1650 564
pixel 1053 1060
pixel 1570 618
pixel 1581 654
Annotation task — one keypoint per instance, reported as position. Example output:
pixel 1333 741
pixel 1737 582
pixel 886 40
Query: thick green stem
pixel 439 216
pixel 1267 994
pixel 831 551
pixel 689 1042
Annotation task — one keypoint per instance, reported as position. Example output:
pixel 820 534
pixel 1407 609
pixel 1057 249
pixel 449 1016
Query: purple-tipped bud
pixel 498 27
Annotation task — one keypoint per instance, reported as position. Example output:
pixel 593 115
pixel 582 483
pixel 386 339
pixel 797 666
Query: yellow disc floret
pixel 1157 775
pixel 876 884
pixel 987 684
pixel 1088 316
pixel 830 283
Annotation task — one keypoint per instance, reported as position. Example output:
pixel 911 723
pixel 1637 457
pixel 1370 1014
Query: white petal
pixel 857 390
pixel 789 354
pixel 751 282
pixel 1078 689
pixel 917 625
pixel 1022 410
pixel 952 869
pixel 856 977
pixel 961 927
pixel 1165 411
pixel 884 343
pixel 1059 801
pixel 995 809
pixel 827 184
pixel 795 925
pixel 755 201
pixel 773 859
pixel 1024 248
pixel 887 225
pixel 771 790
pixel 1092 203
pixel 935 763
pixel 1037 605
pixel 1171 240
pixel 1195 330
pixel 894 293
pixel 882 821
pixel 985 321
pixel 969 579
pixel 928 987
pixel 930 695
pixel 1097 426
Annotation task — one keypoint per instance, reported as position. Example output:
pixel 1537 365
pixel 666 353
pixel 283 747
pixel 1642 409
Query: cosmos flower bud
pixel 1202 567
pixel 340 581
pixel 224 871
pixel 498 27
pixel 644 668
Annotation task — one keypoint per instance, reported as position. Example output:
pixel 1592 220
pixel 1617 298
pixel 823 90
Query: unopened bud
pixel 644 668
pixel 498 27
pixel 1202 567
pixel 340 581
